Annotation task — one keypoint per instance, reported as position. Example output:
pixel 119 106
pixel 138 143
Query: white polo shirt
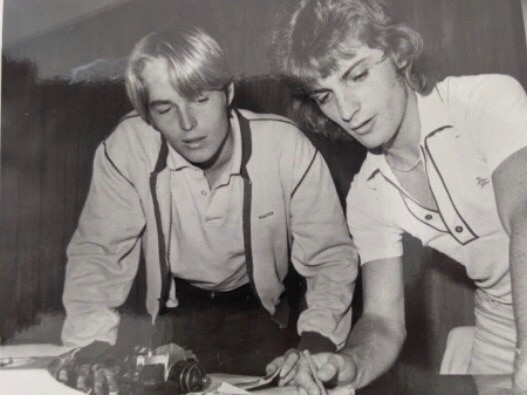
pixel 469 126
pixel 206 244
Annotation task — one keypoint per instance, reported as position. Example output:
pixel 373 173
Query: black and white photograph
pixel 312 197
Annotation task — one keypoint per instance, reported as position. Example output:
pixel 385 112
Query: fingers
pixel 301 391
pixel 331 368
pixel 304 378
pixel 343 390
pixel 104 381
pixel 289 367
pixel 96 378
pixel 274 364
pixel 82 377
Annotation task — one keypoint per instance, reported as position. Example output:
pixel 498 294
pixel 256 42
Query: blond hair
pixel 312 36
pixel 195 61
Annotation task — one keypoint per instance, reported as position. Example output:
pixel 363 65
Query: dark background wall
pixel 57 105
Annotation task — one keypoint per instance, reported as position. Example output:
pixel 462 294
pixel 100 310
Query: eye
pixel 321 98
pixel 162 109
pixel 360 76
pixel 202 98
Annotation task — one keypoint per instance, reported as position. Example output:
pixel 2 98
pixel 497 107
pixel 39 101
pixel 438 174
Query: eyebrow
pixel 344 76
pixel 159 103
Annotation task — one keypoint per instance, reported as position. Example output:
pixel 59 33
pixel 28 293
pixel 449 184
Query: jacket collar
pixel 246 139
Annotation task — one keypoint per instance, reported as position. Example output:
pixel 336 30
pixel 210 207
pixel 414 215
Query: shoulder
pixel 478 89
pixel 271 125
pixel 129 126
pixel 131 130
pixel 367 187
pixel 131 140
pixel 277 133
pixel 368 171
pixel 266 119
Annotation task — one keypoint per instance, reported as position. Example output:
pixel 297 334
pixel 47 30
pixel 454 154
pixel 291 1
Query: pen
pixel 313 369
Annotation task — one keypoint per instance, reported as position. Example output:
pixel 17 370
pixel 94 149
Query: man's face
pixel 365 96
pixel 195 127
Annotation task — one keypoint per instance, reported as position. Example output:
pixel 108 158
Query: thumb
pixel 329 368
pixel 274 365
pixel 339 368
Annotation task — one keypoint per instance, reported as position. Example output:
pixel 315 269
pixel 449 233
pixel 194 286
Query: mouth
pixel 363 127
pixel 194 143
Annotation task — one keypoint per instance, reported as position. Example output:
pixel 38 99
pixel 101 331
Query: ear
pixel 229 92
pixel 398 61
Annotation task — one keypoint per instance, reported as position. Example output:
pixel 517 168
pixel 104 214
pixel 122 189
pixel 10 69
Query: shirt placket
pixel 452 218
pixel 423 214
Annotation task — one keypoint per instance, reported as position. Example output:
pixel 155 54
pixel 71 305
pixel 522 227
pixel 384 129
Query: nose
pixel 348 104
pixel 186 119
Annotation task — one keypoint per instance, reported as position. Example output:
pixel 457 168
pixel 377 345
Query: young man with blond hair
pixel 220 201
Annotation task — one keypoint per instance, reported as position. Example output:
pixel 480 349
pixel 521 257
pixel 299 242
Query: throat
pixel 403 147
pixel 218 164
pixel 416 184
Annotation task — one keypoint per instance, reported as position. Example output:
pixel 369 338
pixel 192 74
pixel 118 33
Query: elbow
pixel 404 334
pixel 398 329
pixel 390 331
pixel 401 336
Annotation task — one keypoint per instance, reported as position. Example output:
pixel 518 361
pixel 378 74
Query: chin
pixel 372 145
pixel 375 142
pixel 198 158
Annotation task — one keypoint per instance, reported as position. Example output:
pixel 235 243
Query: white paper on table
pixel 32 382
pixel 227 383
pixel 226 388
pixel 16 380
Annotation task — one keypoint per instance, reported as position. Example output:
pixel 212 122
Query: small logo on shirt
pixel 265 215
pixel 482 181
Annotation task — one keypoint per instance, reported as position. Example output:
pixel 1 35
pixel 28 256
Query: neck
pixel 404 147
pixel 217 165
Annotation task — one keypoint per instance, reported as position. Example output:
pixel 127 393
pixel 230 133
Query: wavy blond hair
pixel 311 36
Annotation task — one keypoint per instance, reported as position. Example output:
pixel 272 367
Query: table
pixel 401 381
pixel 35 380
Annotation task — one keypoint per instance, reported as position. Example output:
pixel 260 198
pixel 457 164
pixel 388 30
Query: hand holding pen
pixel 313 369
pixel 327 370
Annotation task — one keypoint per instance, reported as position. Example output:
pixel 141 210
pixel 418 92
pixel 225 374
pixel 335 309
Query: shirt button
pixel 428 217
pixel 204 193
pixel 458 229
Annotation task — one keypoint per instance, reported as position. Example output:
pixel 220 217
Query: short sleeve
pixel 497 117
pixel 373 231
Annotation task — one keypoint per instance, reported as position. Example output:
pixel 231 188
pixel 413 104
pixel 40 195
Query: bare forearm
pixel 510 187
pixel 518 263
pixel 374 345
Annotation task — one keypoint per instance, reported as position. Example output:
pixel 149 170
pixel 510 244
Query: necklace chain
pixel 406 169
